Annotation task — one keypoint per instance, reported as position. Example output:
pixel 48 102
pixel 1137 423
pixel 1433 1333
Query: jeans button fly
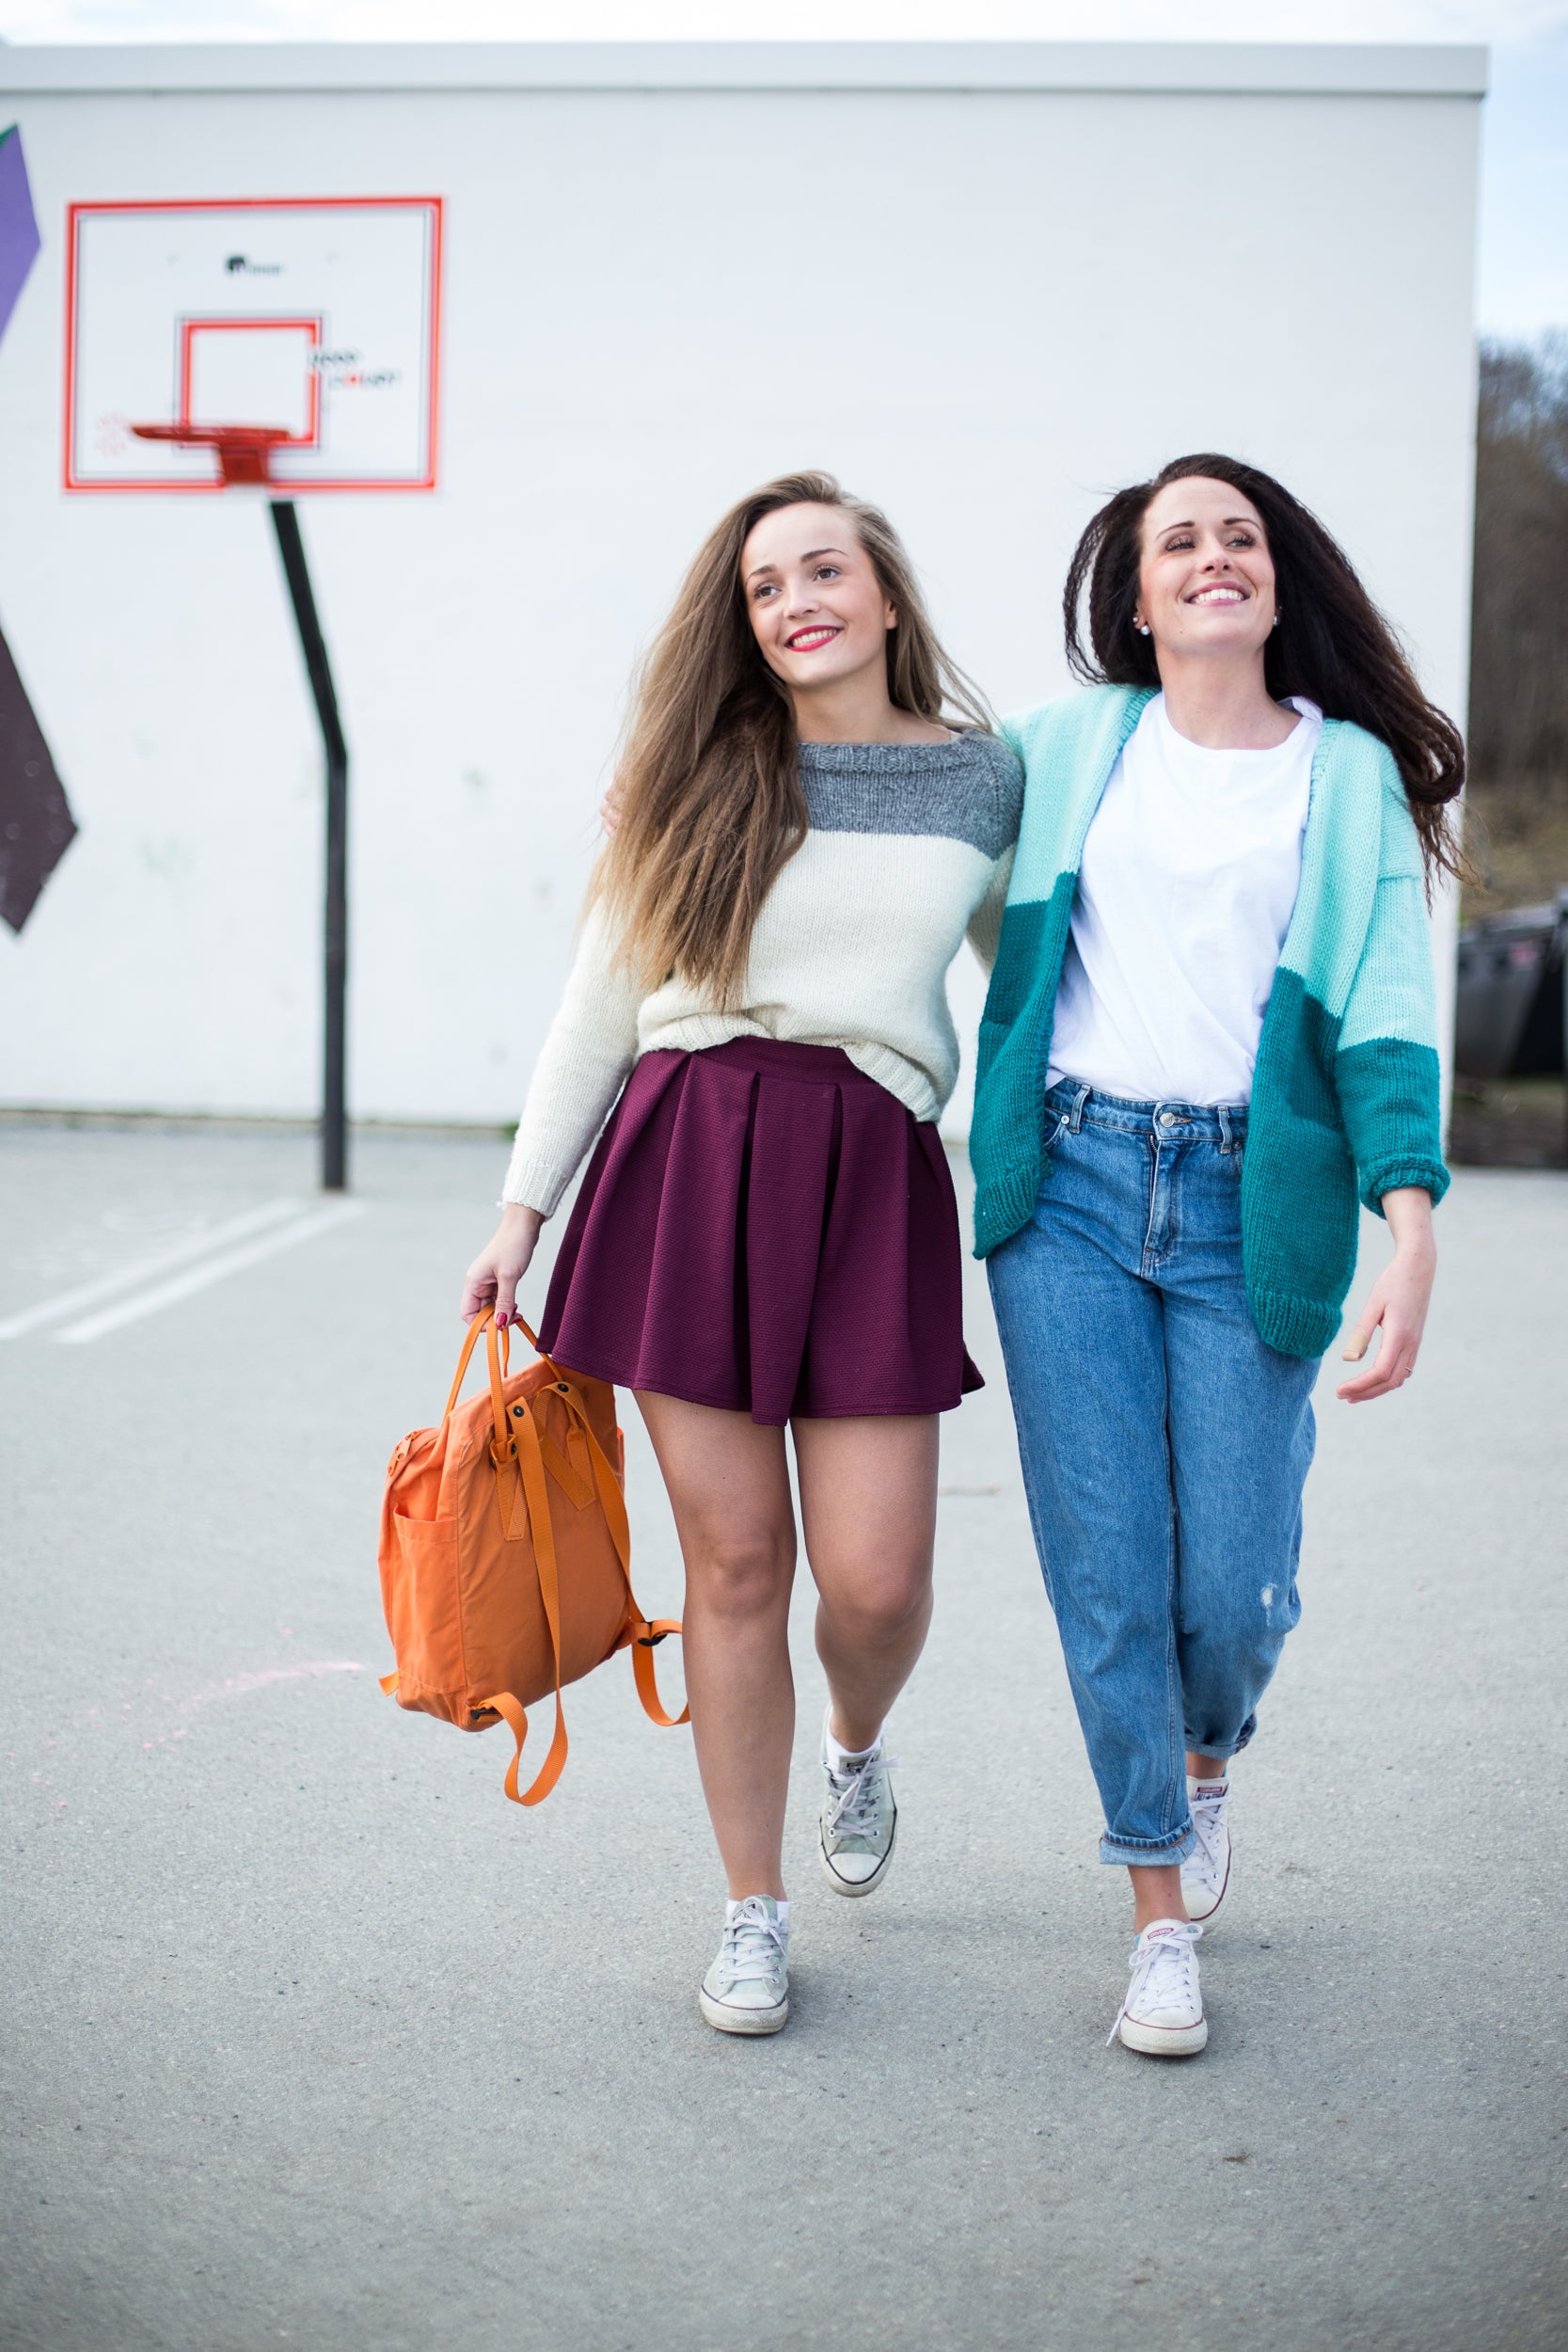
pixel 1168 1119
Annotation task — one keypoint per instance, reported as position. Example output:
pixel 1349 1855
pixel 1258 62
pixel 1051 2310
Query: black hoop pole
pixel 290 547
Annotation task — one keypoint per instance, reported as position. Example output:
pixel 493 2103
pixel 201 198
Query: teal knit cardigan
pixel 1345 1095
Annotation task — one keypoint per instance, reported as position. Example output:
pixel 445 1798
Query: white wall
pixel 984 307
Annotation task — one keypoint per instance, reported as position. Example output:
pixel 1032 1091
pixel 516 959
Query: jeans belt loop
pixel 1075 1116
pixel 1228 1135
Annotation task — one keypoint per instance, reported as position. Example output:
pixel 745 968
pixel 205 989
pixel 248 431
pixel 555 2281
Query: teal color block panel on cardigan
pixel 1389 1091
pixel 1298 1178
pixel 1006 1130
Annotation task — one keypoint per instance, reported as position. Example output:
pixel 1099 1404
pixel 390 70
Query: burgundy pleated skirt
pixel 764 1228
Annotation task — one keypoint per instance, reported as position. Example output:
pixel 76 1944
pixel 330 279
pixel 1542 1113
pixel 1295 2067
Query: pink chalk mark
pixel 240 1686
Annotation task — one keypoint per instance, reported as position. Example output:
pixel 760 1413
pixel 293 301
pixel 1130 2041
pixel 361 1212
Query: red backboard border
pixel 76 214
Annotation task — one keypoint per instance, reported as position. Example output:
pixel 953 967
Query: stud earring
pixel 1142 628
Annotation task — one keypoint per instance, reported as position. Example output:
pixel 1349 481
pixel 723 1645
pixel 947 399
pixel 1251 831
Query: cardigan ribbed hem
pixel 1391 1175
pixel 1295 1327
pixel 1004 1205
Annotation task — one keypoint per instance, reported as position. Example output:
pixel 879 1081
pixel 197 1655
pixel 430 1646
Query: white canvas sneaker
pixel 859 1820
pixel 1163 2014
pixel 747 1989
pixel 1206 1873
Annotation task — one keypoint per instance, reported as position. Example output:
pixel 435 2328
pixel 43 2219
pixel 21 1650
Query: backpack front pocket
pixel 423 1618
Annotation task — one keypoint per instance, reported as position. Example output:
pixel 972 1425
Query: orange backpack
pixel 505 1554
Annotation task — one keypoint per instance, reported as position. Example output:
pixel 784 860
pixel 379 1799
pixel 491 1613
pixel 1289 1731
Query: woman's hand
pixel 500 1265
pixel 1396 1303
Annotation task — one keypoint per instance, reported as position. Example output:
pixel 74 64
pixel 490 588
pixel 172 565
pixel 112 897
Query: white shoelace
pixel 853 1813
pixel 1208 1813
pixel 1169 1959
pixel 754 1943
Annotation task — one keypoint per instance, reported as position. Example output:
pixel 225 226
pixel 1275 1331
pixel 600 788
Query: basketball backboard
pixel 314 319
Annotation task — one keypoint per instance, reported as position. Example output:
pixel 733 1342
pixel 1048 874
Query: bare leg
pixel 1156 1894
pixel 729 1488
pixel 868 1500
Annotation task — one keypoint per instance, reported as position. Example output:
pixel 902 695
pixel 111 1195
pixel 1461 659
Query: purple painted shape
pixel 19 229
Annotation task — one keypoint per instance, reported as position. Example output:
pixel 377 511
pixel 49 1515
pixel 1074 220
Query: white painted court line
pixel 131 1277
pixel 215 1270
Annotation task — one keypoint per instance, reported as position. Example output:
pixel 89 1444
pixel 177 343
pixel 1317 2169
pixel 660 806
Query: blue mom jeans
pixel 1164 1446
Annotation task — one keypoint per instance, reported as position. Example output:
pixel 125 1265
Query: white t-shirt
pixel 1185 889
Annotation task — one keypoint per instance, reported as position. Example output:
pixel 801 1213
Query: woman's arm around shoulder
pixel 1069 727
pixel 985 925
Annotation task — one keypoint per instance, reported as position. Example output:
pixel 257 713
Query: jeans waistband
pixel 1224 1124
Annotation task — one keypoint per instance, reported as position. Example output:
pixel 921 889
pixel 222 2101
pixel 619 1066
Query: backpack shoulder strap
pixel 530 1470
pixel 645 1633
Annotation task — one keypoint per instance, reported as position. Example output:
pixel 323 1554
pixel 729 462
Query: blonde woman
pixel 811 811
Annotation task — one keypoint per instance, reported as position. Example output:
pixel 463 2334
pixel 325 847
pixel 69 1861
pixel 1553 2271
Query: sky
pixel 1523 277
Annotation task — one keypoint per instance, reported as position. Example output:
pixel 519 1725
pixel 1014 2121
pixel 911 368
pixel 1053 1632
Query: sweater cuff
pixel 1391 1175
pixel 534 1183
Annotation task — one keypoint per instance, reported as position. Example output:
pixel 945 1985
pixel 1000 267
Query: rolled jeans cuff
pixel 1149 1853
pixel 1223 1748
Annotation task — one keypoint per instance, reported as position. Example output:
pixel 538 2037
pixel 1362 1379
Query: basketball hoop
pixel 296 342
pixel 244 450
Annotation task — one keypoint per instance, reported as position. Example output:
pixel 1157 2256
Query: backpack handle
pixel 485 1321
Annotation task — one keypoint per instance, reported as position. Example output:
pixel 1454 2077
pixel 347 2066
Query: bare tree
pixel 1519 641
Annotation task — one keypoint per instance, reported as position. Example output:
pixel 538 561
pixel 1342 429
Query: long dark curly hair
pixel 1332 644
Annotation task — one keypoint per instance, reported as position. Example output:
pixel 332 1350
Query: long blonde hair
pixel 707 797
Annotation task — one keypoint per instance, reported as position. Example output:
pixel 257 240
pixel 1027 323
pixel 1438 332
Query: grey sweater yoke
pixel 970 789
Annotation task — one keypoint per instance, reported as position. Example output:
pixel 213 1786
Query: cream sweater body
pixel 909 847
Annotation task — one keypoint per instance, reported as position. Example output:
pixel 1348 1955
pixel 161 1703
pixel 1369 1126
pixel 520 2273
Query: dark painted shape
pixel 19 229
pixel 36 824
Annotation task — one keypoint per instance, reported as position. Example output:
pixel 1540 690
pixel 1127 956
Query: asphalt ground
pixel 310 2038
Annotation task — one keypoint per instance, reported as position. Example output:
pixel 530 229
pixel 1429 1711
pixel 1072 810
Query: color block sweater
pixel 909 846
pixel 1345 1095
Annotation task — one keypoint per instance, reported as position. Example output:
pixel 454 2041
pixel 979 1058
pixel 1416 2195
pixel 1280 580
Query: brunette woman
pixel 1210 1031
pixel 767 1232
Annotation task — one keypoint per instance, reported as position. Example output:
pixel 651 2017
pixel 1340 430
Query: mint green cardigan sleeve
pixel 1385 1068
